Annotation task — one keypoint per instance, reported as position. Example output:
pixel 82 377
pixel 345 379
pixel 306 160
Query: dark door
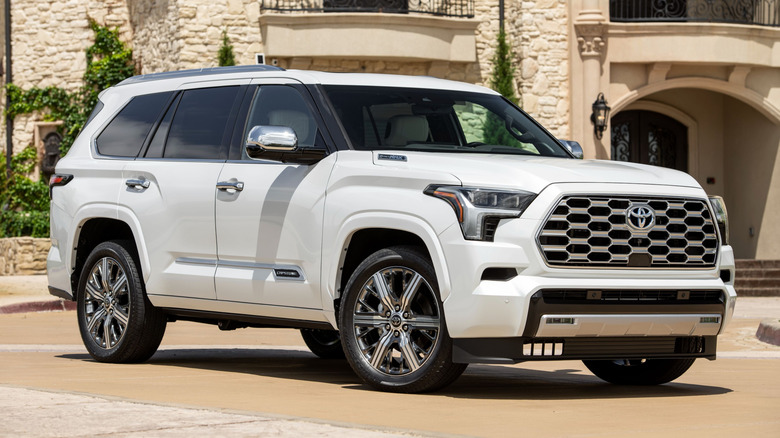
pixel 650 138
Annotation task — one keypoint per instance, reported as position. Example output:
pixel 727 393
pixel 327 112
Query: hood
pixel 535 173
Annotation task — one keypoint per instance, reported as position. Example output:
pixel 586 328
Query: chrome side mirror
pixel 263 138
pixel 573 147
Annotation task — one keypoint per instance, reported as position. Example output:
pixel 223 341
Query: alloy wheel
pixel 396 321
pixel 107 303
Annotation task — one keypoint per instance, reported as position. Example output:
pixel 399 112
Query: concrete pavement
pixel 32 412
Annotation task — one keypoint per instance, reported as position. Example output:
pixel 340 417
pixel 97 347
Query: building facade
pixel 692 84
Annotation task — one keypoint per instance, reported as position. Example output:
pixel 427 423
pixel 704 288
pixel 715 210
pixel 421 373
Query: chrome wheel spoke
pixel 107 331
pixel 121 282
pixel 382 349
pixel 424 322
pixel 93 293
pixel 370 320
pixel 411 357
pixel 121 317
pixel 97 317
pixel 410 290
pixel 104 270
pixel 383 291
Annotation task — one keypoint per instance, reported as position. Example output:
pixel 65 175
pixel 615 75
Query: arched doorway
pixel 649 137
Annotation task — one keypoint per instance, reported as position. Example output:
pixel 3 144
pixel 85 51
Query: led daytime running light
pixel 473 206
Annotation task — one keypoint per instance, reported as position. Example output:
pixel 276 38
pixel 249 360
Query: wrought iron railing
pixel 755 12
pixel 445 8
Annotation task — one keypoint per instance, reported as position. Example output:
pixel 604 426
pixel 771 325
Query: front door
pixel 269 213
pixel 648 137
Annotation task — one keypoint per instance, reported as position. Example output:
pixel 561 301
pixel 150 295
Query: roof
pixel 175 79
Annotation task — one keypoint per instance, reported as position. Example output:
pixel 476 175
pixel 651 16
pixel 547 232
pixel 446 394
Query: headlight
pixel 479 209
pixel 721 217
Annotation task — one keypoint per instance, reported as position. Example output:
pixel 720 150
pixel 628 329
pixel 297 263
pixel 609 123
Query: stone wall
pixel 542 31
pixel 49 39
pixel 23 255
pixel 155 28
pixel 201 22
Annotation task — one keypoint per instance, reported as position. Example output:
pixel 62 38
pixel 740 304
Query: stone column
pixel 590 26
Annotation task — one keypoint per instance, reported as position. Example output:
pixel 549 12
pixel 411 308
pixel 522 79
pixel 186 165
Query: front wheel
pixel 392 325
pixel 116 320
pixel 639 372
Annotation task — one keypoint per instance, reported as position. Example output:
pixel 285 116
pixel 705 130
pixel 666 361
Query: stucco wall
pixel 752 172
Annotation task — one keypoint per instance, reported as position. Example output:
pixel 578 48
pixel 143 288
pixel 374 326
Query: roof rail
pixel 198 72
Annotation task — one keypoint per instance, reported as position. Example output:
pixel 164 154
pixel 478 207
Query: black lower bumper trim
pixel 61 294
pixel 521 349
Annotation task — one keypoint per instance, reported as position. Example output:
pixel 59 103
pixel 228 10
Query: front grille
pixel 630 296
pixel 595 231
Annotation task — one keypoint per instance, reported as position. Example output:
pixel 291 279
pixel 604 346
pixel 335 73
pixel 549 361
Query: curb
pixel 38 306
pixel 769 331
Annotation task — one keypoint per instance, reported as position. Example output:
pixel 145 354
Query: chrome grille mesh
pixel 594 231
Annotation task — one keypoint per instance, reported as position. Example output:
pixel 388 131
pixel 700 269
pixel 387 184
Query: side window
pixel 197 130
pixel 280 105
pixel 124 136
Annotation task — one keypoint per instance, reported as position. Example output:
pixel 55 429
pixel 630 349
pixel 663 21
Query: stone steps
pixel 758 278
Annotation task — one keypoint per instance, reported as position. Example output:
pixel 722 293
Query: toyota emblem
pixel 640 217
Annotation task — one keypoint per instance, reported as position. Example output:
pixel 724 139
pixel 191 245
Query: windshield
pixel 437 121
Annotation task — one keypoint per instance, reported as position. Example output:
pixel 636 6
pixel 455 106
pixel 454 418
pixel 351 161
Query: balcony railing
pixel 444 8
pixel 755 12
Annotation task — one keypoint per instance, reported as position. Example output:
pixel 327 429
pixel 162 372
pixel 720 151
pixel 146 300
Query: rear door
pixel 170 190
pixel 269 232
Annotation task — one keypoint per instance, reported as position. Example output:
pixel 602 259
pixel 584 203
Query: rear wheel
pixel 326 344
pixel 116 320
pixel 639 372
pixel 392 324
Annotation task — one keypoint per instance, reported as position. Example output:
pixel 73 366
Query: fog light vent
pixel 543 349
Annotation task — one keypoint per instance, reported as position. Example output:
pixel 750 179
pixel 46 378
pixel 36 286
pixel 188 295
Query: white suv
pixel 411 224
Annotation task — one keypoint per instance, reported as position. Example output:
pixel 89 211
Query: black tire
pixel 326 344
pixel 394 333
pixel 105 300
pixel 639 372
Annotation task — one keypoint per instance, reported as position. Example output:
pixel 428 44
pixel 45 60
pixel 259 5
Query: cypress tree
pixel 225 56
pixel 502 80
pixel 503 77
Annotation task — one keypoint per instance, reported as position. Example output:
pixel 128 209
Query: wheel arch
pixel 101 226
pixel 362 235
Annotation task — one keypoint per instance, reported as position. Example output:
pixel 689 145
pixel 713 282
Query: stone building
pixel 692 84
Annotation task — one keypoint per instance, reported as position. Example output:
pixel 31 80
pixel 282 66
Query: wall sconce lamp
pixel 600 115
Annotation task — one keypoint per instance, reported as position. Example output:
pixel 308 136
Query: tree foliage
pixel 225 56
pixel 502 79
pixel 24 203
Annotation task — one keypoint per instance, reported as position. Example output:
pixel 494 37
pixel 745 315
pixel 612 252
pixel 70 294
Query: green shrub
pixel 24 203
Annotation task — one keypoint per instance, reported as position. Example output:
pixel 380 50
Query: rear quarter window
pixel 125 134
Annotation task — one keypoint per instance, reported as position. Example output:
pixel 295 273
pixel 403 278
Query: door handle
pixel 138 184
pixel 227 185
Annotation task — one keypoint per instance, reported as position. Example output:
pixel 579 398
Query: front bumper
pixel 500 318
